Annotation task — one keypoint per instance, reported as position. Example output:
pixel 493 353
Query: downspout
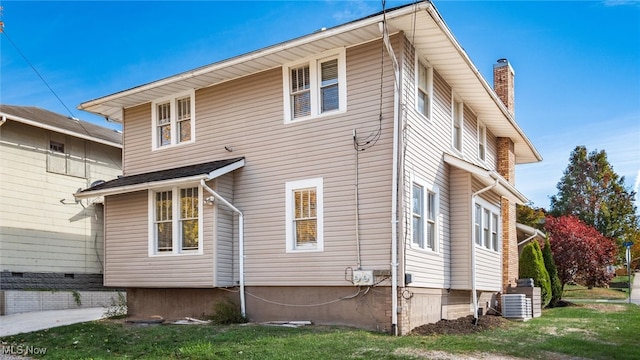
pixel 3 120
pixel 240 241
pixel 394 179
pixel 473 248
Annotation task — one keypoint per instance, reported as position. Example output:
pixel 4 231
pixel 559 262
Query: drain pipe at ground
pixel 473 248
pixel 240 241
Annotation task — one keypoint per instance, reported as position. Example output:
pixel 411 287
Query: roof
pixel 184 174
pixel 49 120
pixel 420 21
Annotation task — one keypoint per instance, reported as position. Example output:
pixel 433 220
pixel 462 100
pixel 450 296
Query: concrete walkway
pixel 635 290
pixel 40 320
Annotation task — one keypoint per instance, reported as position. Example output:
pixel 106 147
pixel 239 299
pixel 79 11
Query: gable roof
pixel 154 179
pixel 420 21
pixel 49 120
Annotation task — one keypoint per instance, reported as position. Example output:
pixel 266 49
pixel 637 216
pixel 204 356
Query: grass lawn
pixel 590 331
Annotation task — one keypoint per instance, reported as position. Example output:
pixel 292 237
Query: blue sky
pixel 577 64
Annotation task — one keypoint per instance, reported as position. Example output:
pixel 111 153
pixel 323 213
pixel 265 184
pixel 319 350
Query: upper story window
pixel 424 212
pixel 173 120
pixel 424 89
pixel 486 225
pixel 482 142
pixel 66 156
pixel 304 215
pixel 457 121
pixel 315 87
pixel 176 221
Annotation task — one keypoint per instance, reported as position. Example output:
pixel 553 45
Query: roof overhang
pixel 488 177
pixel 422 24
pixel 6 116
pixel 530 233
pixel 162 178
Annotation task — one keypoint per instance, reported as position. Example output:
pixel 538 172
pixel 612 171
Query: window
pixel 176 221
pixel 458 118
pixel 173 120
pixel 304 215
pixel 56 147
pixel 486 225
pixel 315 87
pixel 482 141
pixel 424 211
pixel 424 87
pixel 66 156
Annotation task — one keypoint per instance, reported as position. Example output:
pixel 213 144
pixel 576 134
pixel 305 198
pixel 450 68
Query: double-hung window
pixel 424 88
pixel 304 215
pixel 482 141
pixel 173 120
pixel 457 124
pixel 486 225
pixel 315 87
pixel 175 221
pixel 424 211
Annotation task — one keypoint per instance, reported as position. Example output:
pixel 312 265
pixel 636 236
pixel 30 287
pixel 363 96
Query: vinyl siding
pixel 39 233
pixel 247 116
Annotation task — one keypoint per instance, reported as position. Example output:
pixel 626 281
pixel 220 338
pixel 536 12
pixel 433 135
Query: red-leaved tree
pixel 580 252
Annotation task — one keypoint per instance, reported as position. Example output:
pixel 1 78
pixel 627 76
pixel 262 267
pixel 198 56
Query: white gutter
pixel 240 240
pixel 3 120
pixel 473 247
pixel 394 181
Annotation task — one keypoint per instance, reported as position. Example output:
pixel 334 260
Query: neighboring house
pixel 343 177
pixel 48 241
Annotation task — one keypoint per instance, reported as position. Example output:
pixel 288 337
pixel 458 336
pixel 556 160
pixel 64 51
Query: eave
pixel 422 24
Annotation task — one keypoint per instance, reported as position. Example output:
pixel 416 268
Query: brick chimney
pixel 503 83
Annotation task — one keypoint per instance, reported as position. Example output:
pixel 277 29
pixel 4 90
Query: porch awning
pixel 155 179
pixel 488 177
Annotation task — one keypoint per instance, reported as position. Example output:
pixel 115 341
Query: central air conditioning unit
pixel 362 277
pixel 516 306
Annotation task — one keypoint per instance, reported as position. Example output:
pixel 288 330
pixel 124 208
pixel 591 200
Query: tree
pixel 550 265
pixel 591 191
pixel 580 252
pixel 530 216
pixel 531 265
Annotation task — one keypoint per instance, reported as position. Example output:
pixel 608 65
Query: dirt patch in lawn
pixel 463 325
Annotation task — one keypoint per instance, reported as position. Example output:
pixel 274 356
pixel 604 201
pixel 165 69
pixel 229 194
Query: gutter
pixel 240 241
pixel 473 249
pixel 3 120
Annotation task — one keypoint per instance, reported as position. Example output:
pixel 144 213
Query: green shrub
pixel 550 265
pixel 531 265
pixel 226 312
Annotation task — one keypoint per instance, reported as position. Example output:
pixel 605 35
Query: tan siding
pixel 225 240
pixel 247 115
pixel 488 269
pixel 461 227
pixel 127 263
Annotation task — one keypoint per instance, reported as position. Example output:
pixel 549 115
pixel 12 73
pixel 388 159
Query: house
pixel 359 175
pixel 48 240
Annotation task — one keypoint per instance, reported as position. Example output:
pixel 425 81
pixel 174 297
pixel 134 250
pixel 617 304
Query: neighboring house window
pixel 66 156
pixel 482 141
pixel 457 120
pixel 315 87
pixel 486 225
pixel 304 215
pixel 424 89
pixel 424 211
pixel 173 120
pixel 176 221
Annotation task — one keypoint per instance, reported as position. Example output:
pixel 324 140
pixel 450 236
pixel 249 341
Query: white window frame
pixel 290 187
pixel 173 100
pixel 457 108
pixel 315 85
pixel 489 235
pixel 176 238
pixel 427 190
pixel 482 141
pixel 428 90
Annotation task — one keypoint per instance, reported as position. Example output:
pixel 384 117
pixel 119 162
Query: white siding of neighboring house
pixel 39 233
